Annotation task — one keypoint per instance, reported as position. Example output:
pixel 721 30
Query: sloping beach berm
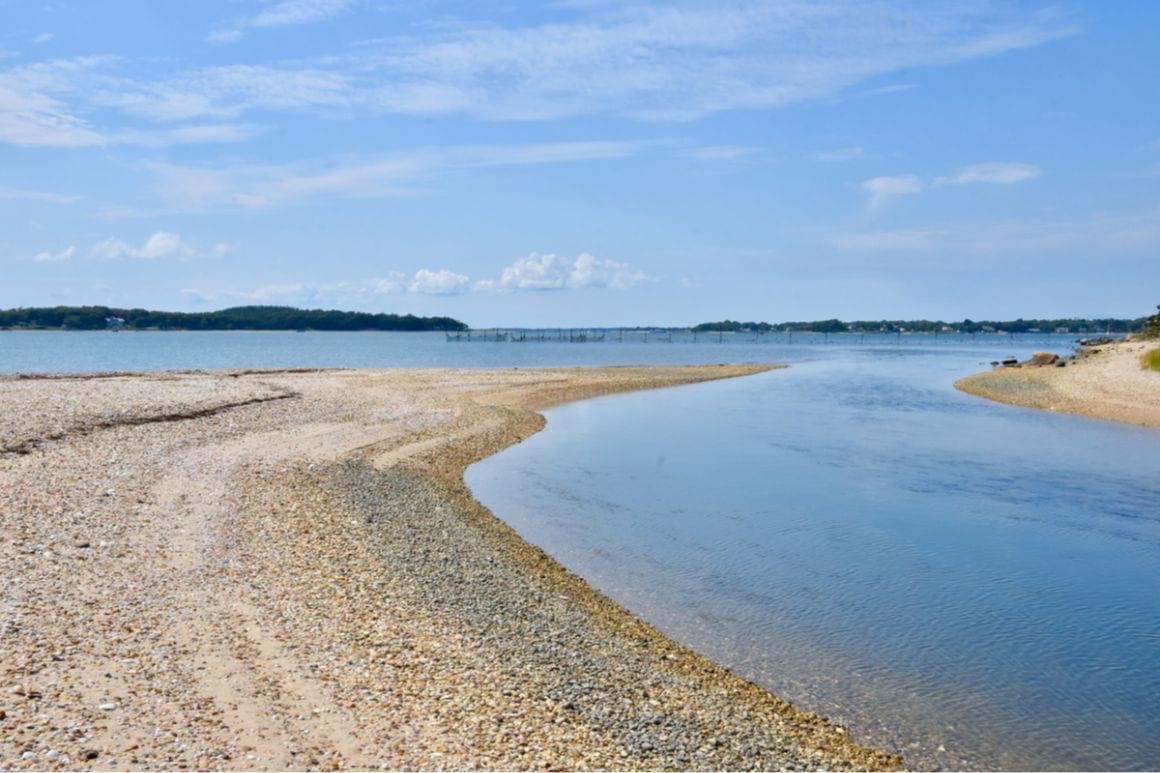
pixel 1104 382
pixel 284 570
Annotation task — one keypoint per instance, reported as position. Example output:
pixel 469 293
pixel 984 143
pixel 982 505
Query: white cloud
pixel 188 188
pixel 536 272
pixel 282 14
pixel 394 282
pixel 588 271
pixel 162 245
pixel 48 198
pixel 193 134
pixel 676 61
pixel 228 91
pixel 43 37
pixel 356 293
pixel 893 88
pixel 35 109
pixel 1001 172
pixel 851 153
pixel 664 61
pixel 32 111
pixel 63 256
pixel 556 272
pixel 882 189
pixel 442 282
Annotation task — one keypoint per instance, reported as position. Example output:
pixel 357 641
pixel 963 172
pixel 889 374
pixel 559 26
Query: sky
pixel 583 162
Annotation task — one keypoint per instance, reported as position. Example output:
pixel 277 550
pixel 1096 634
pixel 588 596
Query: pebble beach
pixel 275 570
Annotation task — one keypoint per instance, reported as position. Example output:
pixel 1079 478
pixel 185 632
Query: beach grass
pixel 1151 360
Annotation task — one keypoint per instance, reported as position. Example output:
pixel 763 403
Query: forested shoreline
pixel 237 318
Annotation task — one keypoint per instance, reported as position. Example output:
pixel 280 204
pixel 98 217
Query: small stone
pixel 90 754
pixel 28 756
pixel 53 754
pixel 108 706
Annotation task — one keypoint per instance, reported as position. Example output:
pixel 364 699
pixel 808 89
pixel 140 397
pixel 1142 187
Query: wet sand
pixel 1104 382
pixel 284 570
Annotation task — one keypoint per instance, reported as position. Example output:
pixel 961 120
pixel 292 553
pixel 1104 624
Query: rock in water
pixel 1039 359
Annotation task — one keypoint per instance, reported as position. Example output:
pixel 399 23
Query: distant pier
pixel 689 336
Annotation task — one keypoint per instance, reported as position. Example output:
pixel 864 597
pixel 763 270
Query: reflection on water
pixel 971 584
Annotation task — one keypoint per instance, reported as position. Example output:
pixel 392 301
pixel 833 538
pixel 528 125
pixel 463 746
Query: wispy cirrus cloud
pixel 228 91
pixel 193 134
pixel 656 62
pixel 883 189
pixel 42 196
pixel 33 110
pixel 40 107
pixel 194 188
pixel 281 14
pixel 999 172
pixel 680 61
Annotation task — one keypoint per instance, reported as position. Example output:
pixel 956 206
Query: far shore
pixel 268 570
pixel 1103 382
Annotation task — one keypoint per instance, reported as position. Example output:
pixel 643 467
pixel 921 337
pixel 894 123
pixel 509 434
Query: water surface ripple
pixel 972 584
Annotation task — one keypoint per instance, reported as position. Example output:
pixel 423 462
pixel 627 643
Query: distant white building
pixel 114 323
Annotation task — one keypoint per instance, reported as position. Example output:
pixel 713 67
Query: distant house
pixel 1062 330
pixel 114 323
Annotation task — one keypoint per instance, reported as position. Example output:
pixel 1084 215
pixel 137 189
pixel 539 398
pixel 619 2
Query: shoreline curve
pixel 1103 382
pixel 308 583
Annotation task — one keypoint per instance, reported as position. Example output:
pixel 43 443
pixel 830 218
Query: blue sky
pixel 583 162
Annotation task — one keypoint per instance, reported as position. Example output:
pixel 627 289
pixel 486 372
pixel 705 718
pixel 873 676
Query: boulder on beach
pixel 1039 359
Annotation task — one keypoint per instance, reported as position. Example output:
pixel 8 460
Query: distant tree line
pixel 936 326
pixel 238 318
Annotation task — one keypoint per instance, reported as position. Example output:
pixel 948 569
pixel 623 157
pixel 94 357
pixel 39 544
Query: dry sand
pixel 284 570
pixel 1104 382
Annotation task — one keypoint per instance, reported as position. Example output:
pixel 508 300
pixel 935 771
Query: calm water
pixel 971 584
pixel 932 569
pixel 52 351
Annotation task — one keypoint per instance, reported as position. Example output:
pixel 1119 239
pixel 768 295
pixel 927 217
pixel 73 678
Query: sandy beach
pixel 284 570
pixel 1104 382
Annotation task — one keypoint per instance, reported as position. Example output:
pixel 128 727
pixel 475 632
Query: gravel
pixel 284 570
